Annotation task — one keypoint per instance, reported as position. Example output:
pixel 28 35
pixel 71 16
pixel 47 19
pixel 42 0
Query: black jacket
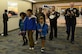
pixel 71 19
pixel 54 20
pixel 5 17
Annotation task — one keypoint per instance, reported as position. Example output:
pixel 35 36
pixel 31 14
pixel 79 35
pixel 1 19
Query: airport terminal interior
pixel 12 43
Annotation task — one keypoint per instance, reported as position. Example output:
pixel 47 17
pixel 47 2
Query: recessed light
pixel 32 1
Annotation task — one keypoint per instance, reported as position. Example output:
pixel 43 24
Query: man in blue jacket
pixel 30 26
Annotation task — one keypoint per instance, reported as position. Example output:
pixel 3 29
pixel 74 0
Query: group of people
pixel 37 23
pixel 30 23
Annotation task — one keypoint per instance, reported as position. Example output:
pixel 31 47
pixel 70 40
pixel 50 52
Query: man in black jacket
pixel 53 16
pixel 5 19
pixel 70 18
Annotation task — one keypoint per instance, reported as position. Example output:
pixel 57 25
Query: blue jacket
pixel 44 29
pixel 21 25
pixel 30 23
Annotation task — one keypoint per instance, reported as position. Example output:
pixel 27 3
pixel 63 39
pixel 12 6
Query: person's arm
pixel 7 16
pixel 58 14
pixel 65 14
pixel 33 23
pixel 45 28
pixel 19 23
pixel 77 13
pixel 25 25
pixel 48 14
pixel 44 17
pixel 39 28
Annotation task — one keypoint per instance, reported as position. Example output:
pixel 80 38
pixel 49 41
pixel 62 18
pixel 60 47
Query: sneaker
pixel 42 49
pixel 30 48
pixel 36 42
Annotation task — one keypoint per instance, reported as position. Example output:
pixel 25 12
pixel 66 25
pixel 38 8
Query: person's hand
pixel 20 32
pixel 33 30
pixel 68 13
pixel 75 15
pixel 40 30
pixel 72 12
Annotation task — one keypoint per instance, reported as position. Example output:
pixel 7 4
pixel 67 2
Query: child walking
pixel 21 26
pixel 30 27
pixel 42 28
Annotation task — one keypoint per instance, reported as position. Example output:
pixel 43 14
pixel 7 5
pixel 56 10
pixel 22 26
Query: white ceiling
pixel 39 0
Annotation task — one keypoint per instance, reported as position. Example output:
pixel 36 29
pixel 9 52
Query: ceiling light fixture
pixel 32 1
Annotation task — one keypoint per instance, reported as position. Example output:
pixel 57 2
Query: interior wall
pixel 37 5
pixel 13 22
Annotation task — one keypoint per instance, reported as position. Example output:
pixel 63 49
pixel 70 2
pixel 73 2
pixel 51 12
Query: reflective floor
pixel 12 44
